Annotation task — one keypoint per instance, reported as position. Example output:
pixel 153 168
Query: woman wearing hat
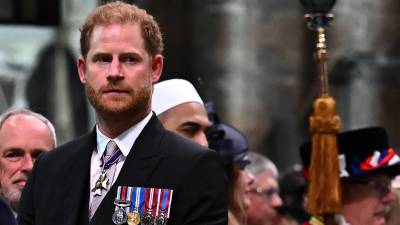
pixel 233 147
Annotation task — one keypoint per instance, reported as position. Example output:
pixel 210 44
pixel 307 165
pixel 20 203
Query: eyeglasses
pixel 242 164
pixel 267 193
pixel 383 187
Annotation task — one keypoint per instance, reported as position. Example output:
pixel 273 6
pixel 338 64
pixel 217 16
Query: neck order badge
pixel 108 166
pixel 113 153
pixel 147 206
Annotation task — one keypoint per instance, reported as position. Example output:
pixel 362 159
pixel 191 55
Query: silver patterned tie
pixel 106 177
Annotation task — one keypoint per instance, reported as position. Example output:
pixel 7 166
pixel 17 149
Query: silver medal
pixel 119 217
pixel 147 219
pixel 160 220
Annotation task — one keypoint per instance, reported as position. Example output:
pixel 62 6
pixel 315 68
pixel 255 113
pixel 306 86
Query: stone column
pixel 365 37
pixel 249 53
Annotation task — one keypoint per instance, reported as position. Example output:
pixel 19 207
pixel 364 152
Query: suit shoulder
pixel 184 150
pixel 68 149
pixel 176 144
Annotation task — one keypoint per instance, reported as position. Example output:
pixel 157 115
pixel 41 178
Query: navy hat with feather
pixel 361 152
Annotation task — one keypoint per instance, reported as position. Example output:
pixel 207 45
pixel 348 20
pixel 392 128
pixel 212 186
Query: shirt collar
pixel 124 141
pixel 341 220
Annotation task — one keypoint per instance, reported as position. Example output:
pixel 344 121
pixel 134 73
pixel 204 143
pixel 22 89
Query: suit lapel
pixel 144 155
pixel 77 178
pixel 137 169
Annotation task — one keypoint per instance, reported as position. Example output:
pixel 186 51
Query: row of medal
pixel 145 206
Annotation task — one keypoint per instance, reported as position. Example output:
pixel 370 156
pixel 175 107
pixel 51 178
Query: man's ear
pixel 156 67
pixel 81 65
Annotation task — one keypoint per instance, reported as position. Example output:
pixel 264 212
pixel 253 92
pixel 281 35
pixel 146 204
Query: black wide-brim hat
pixel 362 152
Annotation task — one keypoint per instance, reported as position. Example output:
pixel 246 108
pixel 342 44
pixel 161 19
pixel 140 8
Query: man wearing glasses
pixel 367 166
pixel 264 192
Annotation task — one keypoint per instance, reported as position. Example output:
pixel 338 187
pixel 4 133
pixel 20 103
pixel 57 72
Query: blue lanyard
pixel 113 159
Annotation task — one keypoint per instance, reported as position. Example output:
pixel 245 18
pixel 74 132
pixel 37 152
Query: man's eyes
pixel 102 58
pixel 129 59
pixel 190 130
pixel 16 154
pixel 36 154
pixel 13 155
pixel 123 59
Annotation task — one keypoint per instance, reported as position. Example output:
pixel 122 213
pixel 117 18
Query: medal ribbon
pixel 128 198
pixel 151 198
pixel 142 193
pixel 134 198
pixel 158 199
pixel 119 193
pixel 169 200
pixel 149 208
pixel 113 159
pixel 155 201
pixel 123 193
pixel 166 198
pixel 118 196
pixel 164 201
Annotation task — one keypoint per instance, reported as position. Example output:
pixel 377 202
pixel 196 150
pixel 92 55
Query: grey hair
pixel 260 163
pixel 23 111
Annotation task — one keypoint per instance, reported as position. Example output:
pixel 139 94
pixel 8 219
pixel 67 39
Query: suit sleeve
pixel 26 208
pixel 203 194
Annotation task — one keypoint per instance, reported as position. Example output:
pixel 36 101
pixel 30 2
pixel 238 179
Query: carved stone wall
pixel 255 60
pixel 366 63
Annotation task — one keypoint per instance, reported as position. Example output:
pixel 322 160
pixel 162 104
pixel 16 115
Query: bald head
pixel 23 137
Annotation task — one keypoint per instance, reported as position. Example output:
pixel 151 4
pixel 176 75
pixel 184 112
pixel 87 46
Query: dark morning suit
pixel 6 215
pixel 57 192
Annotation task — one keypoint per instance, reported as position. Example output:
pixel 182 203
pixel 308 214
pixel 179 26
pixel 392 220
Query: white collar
pixel 341 220
pixel 124 141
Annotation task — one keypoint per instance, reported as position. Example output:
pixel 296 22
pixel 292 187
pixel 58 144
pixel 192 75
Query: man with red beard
pixel 367 166
pixel 24 135
pixel 129 169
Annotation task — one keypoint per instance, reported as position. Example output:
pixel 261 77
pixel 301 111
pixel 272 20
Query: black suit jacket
pixel 6 215
pixel 57 192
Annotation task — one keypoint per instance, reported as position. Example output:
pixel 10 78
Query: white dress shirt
pixel 124 142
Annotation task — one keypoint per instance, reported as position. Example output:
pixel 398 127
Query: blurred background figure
pixel 367 166
pixel 233 148
pixel 180 109
pixel 393 216
pixel 264 192
pixel 293 187
pixel 54 90
pixel 24 135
